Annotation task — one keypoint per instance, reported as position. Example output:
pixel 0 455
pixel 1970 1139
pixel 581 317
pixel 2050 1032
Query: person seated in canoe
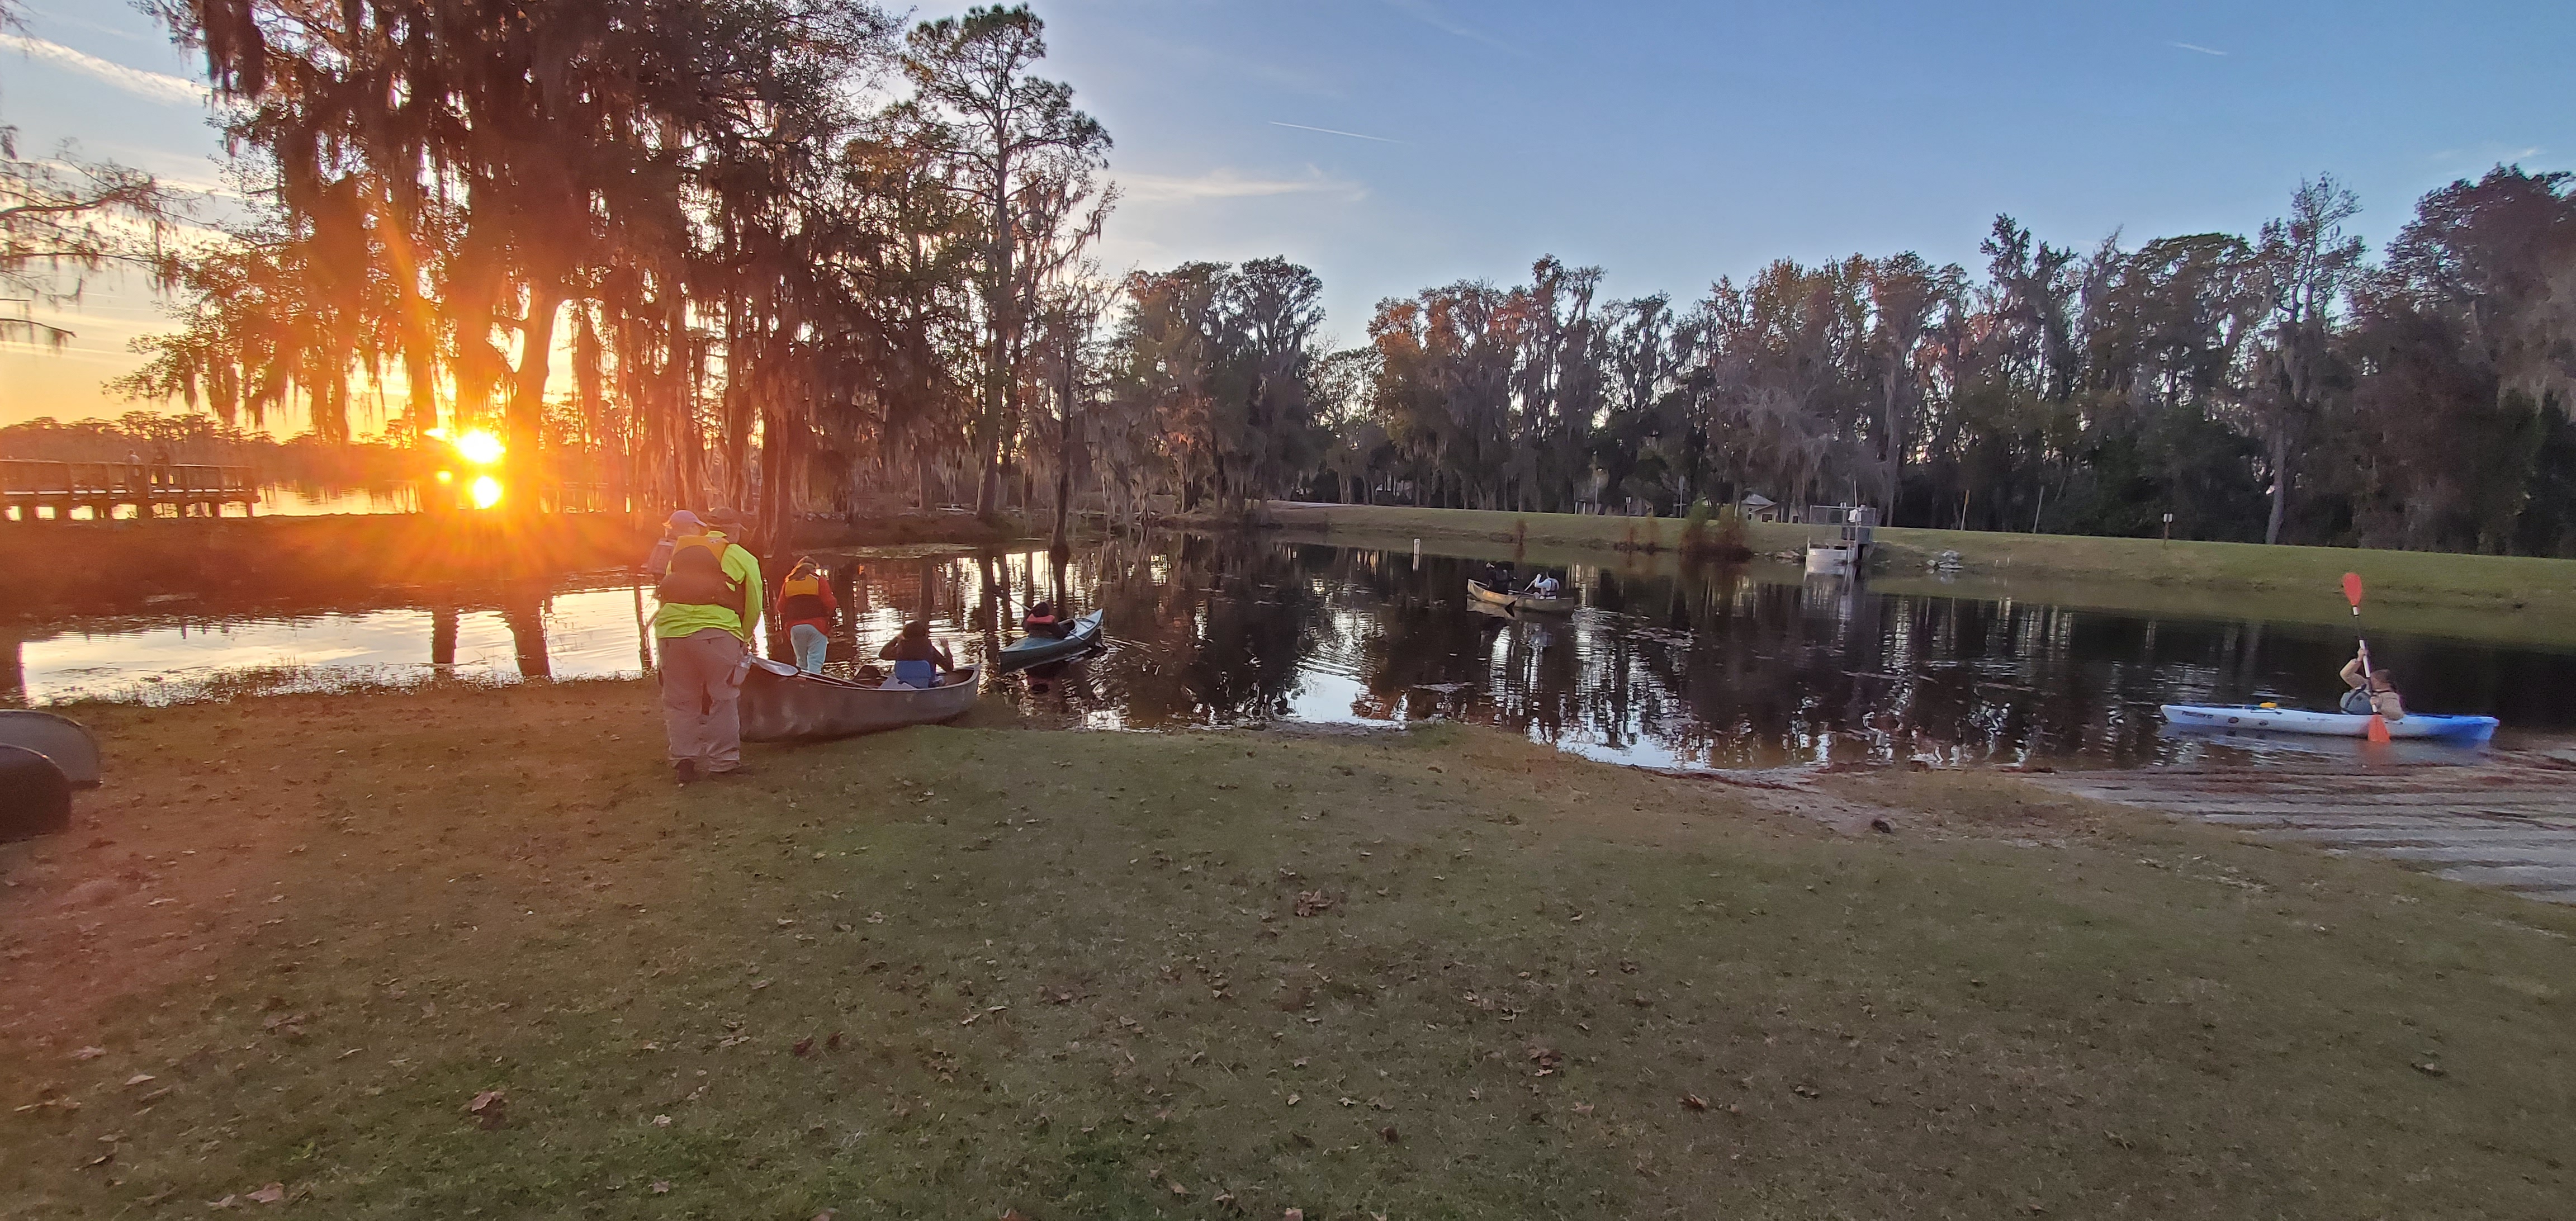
pixel 1498 577
pixel 1041 621
pixel 917 661
pixel 1541 586
pixel 2373 689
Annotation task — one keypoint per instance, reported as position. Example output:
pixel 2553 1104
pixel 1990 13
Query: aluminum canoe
pixel 779 704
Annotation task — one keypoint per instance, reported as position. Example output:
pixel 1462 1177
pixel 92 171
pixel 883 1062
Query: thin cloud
pixel 2193 46
pixel 1335 131
pixel 1428 13
pixel 156 86
pixel 1227 184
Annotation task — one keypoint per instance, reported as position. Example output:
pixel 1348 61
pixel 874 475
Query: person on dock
pixel 806 604
pixel 2373 689
pixel 710 592
pixel 917 661
pixel 1041 621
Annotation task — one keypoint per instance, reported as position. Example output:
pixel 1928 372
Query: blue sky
pixel 1670 143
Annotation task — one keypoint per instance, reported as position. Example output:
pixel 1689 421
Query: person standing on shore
pixel 710 592
pixel 805 601
pixel 681 521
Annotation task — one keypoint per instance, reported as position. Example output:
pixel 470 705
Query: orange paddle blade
pixel 2378 729
pixel 2352 589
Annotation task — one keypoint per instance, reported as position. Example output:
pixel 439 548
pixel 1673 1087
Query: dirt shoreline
pixel 957 971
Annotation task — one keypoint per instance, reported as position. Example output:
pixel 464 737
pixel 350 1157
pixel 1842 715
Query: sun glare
pixel 486 491
pixel 479 447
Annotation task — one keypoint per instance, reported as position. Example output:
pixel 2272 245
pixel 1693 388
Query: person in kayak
pixel 917 661
pixel 1041 621
pixel 2373 689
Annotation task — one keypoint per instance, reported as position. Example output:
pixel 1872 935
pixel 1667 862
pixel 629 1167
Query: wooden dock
pixel 2508 821
pixel 42 491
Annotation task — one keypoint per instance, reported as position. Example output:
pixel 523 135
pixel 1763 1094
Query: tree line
pixel 793 254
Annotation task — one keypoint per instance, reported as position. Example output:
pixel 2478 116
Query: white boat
pixel 2334 724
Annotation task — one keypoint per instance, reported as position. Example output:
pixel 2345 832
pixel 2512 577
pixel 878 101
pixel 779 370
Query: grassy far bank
pixel 2423 578
pixel 2542 624
pixel 951 972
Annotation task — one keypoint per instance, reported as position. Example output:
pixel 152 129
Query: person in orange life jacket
pixel 1041 621
pixel 710 591
pixel 805 601
pixel 917 662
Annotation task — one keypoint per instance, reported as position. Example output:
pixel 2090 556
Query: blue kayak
pixel 2334 724
pixel 1081 634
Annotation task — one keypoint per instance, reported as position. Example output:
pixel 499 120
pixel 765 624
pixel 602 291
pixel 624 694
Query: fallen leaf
pixel 1313 902
pixel 89 1053
pixel 661 1121
pixel 661 1187
pixel 833 1043
pixel 2430 1069
pixel 271 1194
pixel 1582 1108
pixel 1292 1100
pixel 1294 1214
pixel 490 1107
pixel 829 1214
pixel 804 1046
pixel 138 1079
pixel 226 1202
pixel 1695 1102
pixel 1388 1134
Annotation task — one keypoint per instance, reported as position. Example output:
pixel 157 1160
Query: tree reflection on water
pixel 1665 664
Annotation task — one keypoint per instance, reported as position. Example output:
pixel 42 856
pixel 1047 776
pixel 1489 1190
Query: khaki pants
pixel 702 698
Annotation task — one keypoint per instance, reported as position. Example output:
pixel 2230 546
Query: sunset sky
pixel 1395 144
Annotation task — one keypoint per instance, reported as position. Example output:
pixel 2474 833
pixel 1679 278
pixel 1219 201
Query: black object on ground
pixel 65 741
pixel 35 796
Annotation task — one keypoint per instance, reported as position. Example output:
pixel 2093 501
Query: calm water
pixel 1710 667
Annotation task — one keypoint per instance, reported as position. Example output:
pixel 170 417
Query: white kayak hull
pixel 2332 724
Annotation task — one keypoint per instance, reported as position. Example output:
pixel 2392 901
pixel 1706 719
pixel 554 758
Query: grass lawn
pixel 960 972
pixel 2507 585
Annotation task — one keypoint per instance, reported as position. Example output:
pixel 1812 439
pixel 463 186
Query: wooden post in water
pixel 1417 553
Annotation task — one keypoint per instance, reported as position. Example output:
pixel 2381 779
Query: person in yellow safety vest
pixel 805 601
pixel 710 591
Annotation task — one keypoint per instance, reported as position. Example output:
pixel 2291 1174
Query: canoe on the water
pixel 1522 602
pixel 779 704
pixel 2336 724
pixel 1081 634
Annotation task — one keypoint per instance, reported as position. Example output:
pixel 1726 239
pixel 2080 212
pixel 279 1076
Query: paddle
pixel 2352 594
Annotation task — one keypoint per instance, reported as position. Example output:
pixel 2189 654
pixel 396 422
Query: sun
pixel 485 490
pixel 479 447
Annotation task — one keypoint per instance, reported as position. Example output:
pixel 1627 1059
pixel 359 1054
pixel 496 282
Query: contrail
pixel 2190 46
pixel 1334 132
pixel 158 86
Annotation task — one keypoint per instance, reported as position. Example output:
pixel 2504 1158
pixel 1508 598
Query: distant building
pixel 1757 507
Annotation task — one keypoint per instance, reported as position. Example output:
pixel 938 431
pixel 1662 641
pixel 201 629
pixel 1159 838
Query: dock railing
pixel 30 486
